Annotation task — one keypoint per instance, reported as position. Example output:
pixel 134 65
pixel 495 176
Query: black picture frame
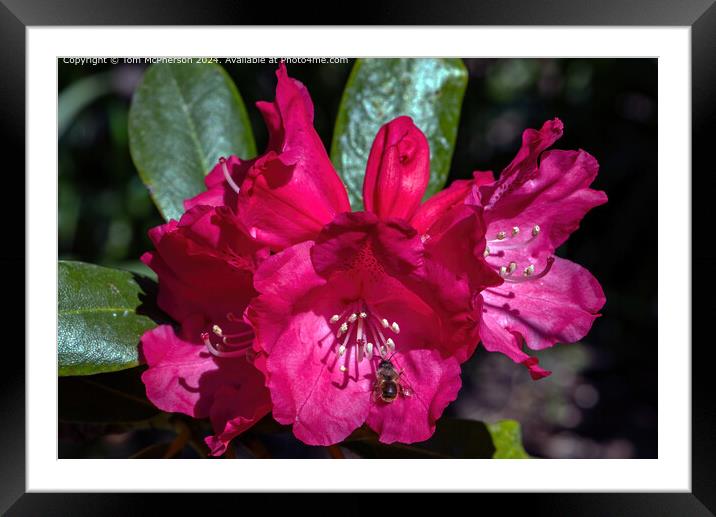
pixel 700 15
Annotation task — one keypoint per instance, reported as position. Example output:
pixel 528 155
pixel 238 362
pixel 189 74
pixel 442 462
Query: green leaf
pixel 507 437
pixel 102 313
pixel 453 438
pixel 378 90
pixel 106 398
pixel 183 118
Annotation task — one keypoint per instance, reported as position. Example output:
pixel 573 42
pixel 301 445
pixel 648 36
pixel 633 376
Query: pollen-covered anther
pixel 529 270
pixel 511 267
pixel 535 230
pixel 216 329
pixel 385 323
pixel 352 318
pixel 395 327
pixel 335 318
pixel 341 350
pixel 390 344
pixel 501 235
pixel 363 315
pixel 515 230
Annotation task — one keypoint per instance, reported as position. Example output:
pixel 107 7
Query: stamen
pixel 390 344
pixel 385 323
pixel 229 179
pixel 512 243
pixel 353 317
pixel 511 268
pixel 486 253
pixel 335 318
pixel 341 350
pixel 528 273
pixel 395 327
pixel 369 349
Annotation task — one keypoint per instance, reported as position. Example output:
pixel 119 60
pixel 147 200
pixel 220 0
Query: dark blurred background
pixel 601 400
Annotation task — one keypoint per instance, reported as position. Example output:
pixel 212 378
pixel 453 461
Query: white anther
pixel 486 252
pixel 343 327
pixel 389 342
pixel 341 350
pixel 369 349
pixel 352 317
pixel 424 238
pixel 511 268
pixel 217 330
pixel 503 271
pixel 535 230
pixel 343 368
pixel 363 315
pixel 395 327
pixel 335 318
pixel 515 230
pixel 529 270
pixel 501 235
pixel 385 323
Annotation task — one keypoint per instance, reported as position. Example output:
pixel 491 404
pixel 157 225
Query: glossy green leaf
pixel 453 438
pixel 102 313
pixel 507 437
pixel 113 398
pixel 378 90
pixel 183 118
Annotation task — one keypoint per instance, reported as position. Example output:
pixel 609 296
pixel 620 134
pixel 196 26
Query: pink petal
pixel 218 191
pixel 524 165
pixel 184 377
pixel 559 307
pixel 293 190
pixel 236 410
pixel 433 381
pixel 204 264
pixel 398 170
pixel 362 242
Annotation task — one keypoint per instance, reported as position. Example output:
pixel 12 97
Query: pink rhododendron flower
pixel 359 324
pixel 529 211
pixel 205 264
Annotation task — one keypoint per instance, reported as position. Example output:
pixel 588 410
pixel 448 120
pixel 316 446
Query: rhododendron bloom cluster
pixel 288 302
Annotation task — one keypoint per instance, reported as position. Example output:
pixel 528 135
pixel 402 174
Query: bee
pixel 387 383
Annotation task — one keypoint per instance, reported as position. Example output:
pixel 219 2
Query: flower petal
pixel 236 409
pixel 184 377
pixel 524 165
pixel 433 382
pixel 204 264
pixel 293 190
pixel 398 170
pixel 219 192
pixel 559 307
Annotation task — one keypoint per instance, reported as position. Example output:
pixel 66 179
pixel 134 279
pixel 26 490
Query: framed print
pixel 425 248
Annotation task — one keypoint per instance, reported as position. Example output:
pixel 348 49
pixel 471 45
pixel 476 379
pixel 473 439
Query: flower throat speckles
pixel 511 240
pixel 365 329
